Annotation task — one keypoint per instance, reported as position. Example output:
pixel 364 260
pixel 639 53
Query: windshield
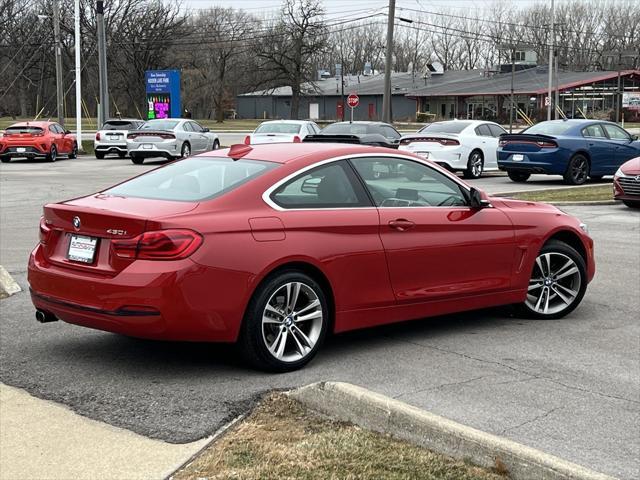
pixel 278 128
pixel 346 129
pixel 445 127
pixel 23 129
pixel 549 128
pixel 159 125
pixel 193 179
pixel 118 125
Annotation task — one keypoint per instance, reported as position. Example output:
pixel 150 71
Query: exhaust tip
pixel 43 316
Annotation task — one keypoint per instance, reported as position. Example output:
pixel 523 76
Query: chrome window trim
pixel 266 196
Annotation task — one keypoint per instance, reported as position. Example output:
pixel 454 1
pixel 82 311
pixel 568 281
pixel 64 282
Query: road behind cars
pixel 569 387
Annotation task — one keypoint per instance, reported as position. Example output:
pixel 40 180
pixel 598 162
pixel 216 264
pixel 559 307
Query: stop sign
pixel 353 100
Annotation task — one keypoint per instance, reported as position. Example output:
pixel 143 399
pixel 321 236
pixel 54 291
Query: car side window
pixel 496 130
pixel 390 132
pixel 52 128
pixel 314 128
pixel 616 132
pixel 196 127
pixel 329 186
pixel 593 131
pixel 397 182
pixel 186 126
pixel 483 131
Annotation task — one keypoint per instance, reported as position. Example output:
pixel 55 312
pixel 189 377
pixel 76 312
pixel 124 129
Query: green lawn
pixel 576 194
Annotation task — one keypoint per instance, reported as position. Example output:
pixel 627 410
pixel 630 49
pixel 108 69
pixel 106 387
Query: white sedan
pixel 460 145
pixel 282 131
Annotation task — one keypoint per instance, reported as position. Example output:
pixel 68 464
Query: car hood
pixel 522 205
pixel 632 167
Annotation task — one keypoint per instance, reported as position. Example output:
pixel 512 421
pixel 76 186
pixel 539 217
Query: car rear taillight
pixel 546 144
pixel 502 143
pixel 247 140
pixel 296 139
pixel 131 136
pixel 442 141
pixel 97 136
pixel 167 136
pixel 45 231
pixel 174 244
pixel 405 141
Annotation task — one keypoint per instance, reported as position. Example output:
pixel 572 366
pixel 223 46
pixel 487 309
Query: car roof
pixel 126 120
pixel 35 123
pixel 362 122
pixel 293 152
pixel 286 121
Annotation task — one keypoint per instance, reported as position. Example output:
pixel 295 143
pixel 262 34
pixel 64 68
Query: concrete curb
pixel 8 285
pixel 376 412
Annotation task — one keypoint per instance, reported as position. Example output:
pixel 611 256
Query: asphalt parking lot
pixel 570 387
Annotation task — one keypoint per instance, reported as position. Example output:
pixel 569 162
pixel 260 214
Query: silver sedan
pixel 170 138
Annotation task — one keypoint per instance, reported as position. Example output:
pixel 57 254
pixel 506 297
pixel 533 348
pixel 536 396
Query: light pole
pixel 551 51
pixel 58 55
pixel 78 76
pixel 102 65
pixel 386 96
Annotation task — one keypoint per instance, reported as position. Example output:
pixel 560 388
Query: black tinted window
pixel 193 179
pixel 496 130
pixel 446 127
pixel 553 127
pixel 329 186
pixel 483 131
pixel 119 125
pixel 594 131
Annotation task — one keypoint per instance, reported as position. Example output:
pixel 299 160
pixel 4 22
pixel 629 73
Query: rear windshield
pixel 346 129
pixel 193 179
pixel 23 129
pixel 159 125
pixel 446 127
pixel 278 128
pixel 119 125
pixel 549 128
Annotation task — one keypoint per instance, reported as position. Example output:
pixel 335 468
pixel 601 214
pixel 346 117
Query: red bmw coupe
pixel 40 140
pixel 274 246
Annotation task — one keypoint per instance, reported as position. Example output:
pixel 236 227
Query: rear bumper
pixel 167 149
pixel 550 163
pixel 110 148
pixel 155 300
pixel 29 152
pixel 455 158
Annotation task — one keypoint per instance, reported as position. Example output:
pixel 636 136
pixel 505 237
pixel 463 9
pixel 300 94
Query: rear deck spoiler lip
pixel 526 136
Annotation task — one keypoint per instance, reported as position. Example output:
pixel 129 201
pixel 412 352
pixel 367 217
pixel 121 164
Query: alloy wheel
pixel 554 285
pixel 292 322
pixel 186 151
pixel 579 170
pixel 476 165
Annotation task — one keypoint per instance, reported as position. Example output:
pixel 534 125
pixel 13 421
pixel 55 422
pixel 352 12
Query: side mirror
pixel 67 132
pixel 205 129
pixel 634 138
pixel 476 200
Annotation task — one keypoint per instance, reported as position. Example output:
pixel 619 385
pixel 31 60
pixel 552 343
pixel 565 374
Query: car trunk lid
pixel 523 142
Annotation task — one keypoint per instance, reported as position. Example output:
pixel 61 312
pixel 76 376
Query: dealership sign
pixel 163 93
pixel 631 100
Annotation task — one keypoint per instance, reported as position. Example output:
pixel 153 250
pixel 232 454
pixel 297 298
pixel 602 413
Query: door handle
pixel 401 224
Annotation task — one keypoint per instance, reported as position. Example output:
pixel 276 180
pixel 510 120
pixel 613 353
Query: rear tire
pixel 5 159
pixel 137 160
pixel 185 151
pixel 557 283
pixel 628 203
pixel 475 165
pixel 285 323
pixel 99 155
pixel 518 177
pixel 577 170
pixel 52 156
pixel 216 145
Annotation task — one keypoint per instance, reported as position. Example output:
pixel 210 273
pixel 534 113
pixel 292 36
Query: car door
pixel 184 132
pixel 57 134
pixel 437 246
pixel 601 149
pixel 496 131
pixel 626 148
pixel 327 215
pixel 488 144
pixel 200 138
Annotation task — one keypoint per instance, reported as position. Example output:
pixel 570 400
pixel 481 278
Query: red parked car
pixel 276 245
pixel 41 140
pixel 626 183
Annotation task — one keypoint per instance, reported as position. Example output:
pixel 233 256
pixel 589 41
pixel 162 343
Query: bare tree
pixel 287 53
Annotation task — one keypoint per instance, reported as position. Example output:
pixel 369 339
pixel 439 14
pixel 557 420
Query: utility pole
pixel 619 94
pixel 78 76
pixel 58 54
pixel 386 97
pixel 513 72
pixel 551 51
pixel 556 102
pixel 102 65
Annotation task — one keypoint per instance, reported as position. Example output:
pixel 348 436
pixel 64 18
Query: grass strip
pixel 281 439
pixel 575 194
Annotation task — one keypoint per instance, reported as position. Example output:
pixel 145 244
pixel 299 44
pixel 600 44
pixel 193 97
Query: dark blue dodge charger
pixel 575 149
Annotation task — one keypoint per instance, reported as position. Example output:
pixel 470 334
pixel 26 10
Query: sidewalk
pixel 43 440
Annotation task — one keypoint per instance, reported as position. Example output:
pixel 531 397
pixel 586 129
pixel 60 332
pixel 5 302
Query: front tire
pixel 518 177
pixel 577 170
pixel 475 165
pixel 557 284
pixel 285 323
pixel 74 152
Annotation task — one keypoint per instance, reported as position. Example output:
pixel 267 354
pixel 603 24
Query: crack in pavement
pixel 534 419
pixel 437 387
pixel 522 372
